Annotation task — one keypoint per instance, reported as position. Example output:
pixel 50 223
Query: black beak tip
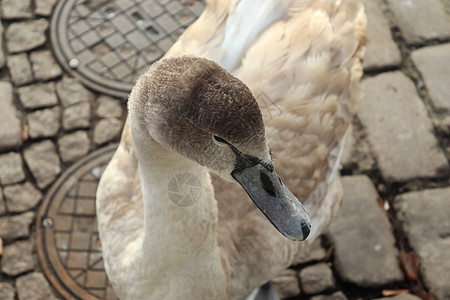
pixel 306 229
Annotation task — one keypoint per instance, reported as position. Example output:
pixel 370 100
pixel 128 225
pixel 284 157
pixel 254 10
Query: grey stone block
pixel 11 168
pixel 24 36
pixel 399 130
pixel 425 218
pixel 43 162
pixel 10 128
pixel 421 20
pixel 434 64
pixel 38 95
pixel 362 237
pixel 381 49
pixel 316 278
pixel 17 258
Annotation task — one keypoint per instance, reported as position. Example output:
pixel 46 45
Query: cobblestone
pixel 108 107
pixel 70 92
pixel 16 9
pixel 316 278
pixel 20 69
pixel 17 226
pixel 44 122
pixel 44 65
pixel 421 20
pixel 425 218
pixel 286 284
pixel 21 197
pixel 399 130
pixel 358 259
pixel 74 146
pixel 6 291
pixel 43 162
pixel 434 64
pixel 77 116
pixel 2 52
pixel 107 130
pixel 17 258
pixel 11 168
pixel 34 286
pixel 10 128
pixel 315 252
pixel 24 36
pixel 2 204
pixel 38 95
pixel 400 297
pixel 335 296
pixel 381 50
pixel 44 7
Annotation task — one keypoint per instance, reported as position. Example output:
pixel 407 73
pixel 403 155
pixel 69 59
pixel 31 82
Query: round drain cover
pixel 68 245
pixel 108 43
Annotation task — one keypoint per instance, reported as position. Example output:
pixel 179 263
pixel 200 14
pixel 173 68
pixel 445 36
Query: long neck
pixel 180 219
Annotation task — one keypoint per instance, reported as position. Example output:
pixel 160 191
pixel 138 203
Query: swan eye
pixel 219 140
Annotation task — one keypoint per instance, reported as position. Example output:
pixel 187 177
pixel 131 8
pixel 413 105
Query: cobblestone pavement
pixel 395 167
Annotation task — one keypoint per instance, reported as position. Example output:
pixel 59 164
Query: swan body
pixel 301 61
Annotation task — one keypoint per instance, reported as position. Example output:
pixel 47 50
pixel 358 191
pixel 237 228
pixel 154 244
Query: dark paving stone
pixel 11 168
pixel 38 95
pixel 286 284
pixel 20 69
pixel 21 197
pixel 17 258
pixel 43 162
pixel 366 262
pixel 425 219
pixel 421 20
pixel 399 130
pixel 34 286
pixel 316 278
pixel 44 122
pixel 434 64
pixel 17 226
pixel 381 49
pixel 10 128
pixel 24 36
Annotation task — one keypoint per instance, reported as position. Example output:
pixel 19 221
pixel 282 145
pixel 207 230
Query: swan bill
pixel 274 200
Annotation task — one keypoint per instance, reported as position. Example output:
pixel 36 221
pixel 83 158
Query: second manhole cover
pixel 107 43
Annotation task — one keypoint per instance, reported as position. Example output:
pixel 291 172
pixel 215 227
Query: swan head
pixel 194 107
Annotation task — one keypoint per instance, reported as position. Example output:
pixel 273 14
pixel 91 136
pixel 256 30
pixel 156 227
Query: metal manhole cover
pixel 68 245
pixel 108 43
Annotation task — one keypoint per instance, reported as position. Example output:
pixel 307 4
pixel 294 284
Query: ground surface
pixel 393 232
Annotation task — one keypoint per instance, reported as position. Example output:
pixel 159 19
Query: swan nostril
pixel 267 184
pixel 306 229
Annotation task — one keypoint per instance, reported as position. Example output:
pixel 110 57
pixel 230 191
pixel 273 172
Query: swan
pixel 252 92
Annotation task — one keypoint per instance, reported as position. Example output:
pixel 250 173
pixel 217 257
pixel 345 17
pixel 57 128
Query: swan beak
pixel 275 200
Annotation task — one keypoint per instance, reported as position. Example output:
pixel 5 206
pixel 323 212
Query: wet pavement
pixel 391 236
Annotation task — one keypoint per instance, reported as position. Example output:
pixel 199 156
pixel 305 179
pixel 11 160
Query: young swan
pixel 188 116
pixel 193 107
